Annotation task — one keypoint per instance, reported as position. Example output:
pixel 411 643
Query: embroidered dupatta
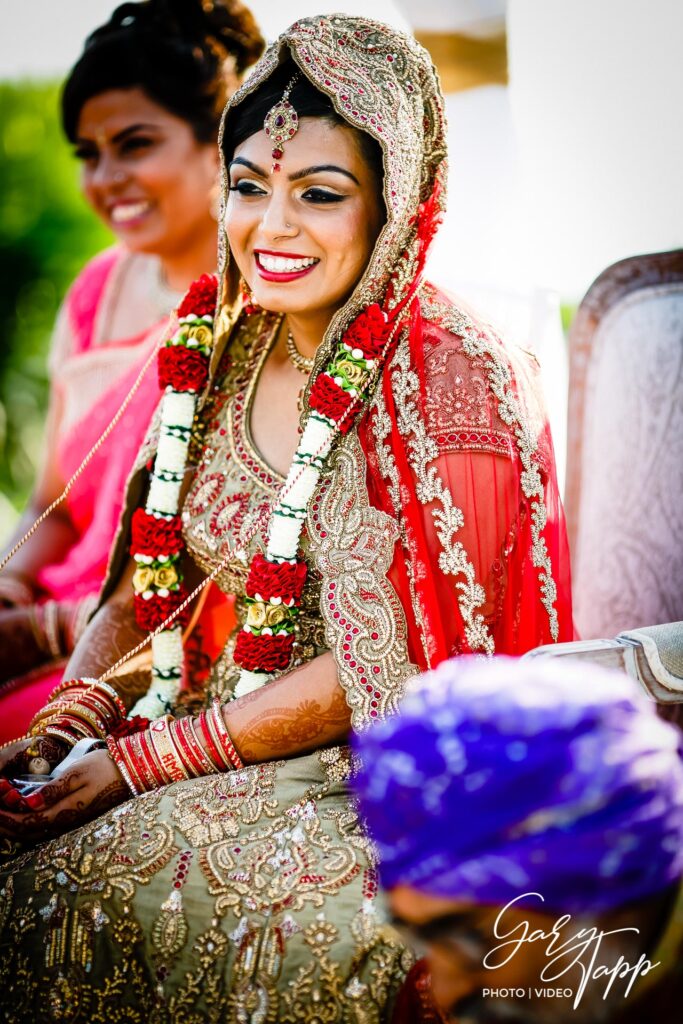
pixel 437 529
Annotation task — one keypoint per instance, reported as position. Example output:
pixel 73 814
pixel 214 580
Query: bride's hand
pixel 90 788
pixel 14 758
pixel 42 753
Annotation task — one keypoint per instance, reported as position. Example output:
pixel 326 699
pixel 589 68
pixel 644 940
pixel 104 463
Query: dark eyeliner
pixel 246 188
pixel 322 196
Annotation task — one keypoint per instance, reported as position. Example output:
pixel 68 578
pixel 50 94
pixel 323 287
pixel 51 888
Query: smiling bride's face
pixel 302 236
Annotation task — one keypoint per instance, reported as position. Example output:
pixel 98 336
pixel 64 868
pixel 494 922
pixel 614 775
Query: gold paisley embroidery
pixel 481 343
pixel 352 545
pixel 380 427
pixel 96 858
pixel 286 865
pixel 170 930
pixel 448 518
pixel 320 994
pixel 254 997
pixel 218 806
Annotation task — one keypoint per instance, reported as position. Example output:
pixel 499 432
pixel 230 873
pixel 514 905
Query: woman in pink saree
pixel 146 140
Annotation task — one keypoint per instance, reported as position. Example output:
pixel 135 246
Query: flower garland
pixel 156 536
pixel 276 580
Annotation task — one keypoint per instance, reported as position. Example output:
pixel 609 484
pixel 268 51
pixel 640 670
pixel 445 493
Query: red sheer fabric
pixel 471 479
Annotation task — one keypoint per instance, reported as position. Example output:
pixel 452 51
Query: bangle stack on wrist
pixel 80 708
pixel 171 750
pixel 44 622
pixel 77 620
pixel 15 592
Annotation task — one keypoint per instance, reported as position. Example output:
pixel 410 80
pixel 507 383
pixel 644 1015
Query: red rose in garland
pixel 152 536
pixel 201 298
pixel 368 332
pixel 263 653
pixel 272 579
pixel 330 400
pixel 151 612
pixel 183 369
pixel 129 726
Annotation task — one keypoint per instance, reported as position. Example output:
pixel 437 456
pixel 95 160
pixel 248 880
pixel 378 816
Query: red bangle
pixel 224 738
pixel 167 754
pixel 214 751
pixel 118 760
pixel 184 750
pixel 147 754
pixel 138 765
pixel 187 742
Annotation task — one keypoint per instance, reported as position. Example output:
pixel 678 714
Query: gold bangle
pixel 38 633
pixel 51 619
pixel 53 730
pixel 167 755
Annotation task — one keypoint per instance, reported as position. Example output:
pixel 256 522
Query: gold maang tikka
pixel 281 123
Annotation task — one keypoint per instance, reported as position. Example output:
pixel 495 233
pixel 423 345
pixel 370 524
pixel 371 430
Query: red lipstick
pixel 282 276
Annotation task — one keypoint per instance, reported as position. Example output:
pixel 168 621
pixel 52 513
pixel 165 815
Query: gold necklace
pixel 302 363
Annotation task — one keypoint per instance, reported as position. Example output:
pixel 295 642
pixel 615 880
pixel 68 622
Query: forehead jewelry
pixel 281 124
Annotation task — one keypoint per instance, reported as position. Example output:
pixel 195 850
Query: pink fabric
pixel 85 294
pixel 95 501
pixel 21 699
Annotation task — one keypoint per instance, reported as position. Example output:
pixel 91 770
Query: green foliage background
pixel 47 233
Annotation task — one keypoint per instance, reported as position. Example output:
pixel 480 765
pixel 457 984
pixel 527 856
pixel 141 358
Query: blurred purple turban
pixel 500 777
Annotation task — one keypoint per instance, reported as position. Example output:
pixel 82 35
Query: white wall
pixel 595 90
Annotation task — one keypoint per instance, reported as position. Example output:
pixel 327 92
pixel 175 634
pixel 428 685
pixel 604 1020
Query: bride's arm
pixel 299 712
pixel 111 633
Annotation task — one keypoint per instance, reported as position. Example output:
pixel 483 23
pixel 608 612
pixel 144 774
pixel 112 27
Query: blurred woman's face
pixel 144 172
pixel 302 236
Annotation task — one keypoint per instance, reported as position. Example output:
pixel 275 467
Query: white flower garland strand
pixel 178 410
pixel 288 518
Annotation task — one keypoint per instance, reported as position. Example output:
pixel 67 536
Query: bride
pixel 370 472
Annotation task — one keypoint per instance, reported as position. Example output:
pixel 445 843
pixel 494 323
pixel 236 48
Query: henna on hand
pixel 115 793
pixel 89 789
pixel 300 726
pixel 111 634
pixel 264 725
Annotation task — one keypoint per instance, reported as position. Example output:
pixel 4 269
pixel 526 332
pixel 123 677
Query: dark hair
pixel 174 50
pixel 249 115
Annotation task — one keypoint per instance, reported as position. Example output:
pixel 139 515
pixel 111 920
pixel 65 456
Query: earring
pixel 248 304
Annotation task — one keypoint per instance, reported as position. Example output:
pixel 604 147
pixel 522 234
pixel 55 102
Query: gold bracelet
pixel 38 633
pixel 51 619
